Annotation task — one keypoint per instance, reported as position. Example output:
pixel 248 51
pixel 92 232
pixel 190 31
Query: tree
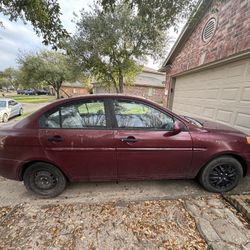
pixel 44 15
pixel 10 77
pixel 161 14
pixel 50 67
pixel 111 44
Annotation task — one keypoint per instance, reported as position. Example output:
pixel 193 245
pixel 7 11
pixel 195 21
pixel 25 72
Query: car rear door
pixel 146 146
pixel 78 138
pixel 13 108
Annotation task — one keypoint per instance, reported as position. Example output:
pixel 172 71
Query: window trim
pixel 58 108
pixel 137 128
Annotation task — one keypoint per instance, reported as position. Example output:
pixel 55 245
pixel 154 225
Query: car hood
pixel 217 127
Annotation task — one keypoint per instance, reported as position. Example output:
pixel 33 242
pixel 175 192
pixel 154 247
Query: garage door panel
pixel 224 116
pixel 230 94
pixel 221 94
pixel 245 95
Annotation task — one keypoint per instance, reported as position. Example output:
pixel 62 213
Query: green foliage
pixel 10 77
pixel 50 67
pixel 110 44
pixel 161 14
pixel 44 15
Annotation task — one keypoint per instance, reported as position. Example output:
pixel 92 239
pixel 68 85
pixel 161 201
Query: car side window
pixel 50 120
pixel 136 115
pixel 88 114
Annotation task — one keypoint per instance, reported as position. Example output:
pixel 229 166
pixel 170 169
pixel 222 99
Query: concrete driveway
pixel 12 192
pixel 173 214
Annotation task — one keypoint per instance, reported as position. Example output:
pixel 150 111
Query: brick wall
pixel 231 37
pixel 71 91
pixel 152 93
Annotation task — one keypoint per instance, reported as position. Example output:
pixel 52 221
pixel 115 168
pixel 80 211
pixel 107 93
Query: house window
pixel 209 29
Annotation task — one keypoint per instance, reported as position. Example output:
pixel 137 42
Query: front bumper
pixel 247 158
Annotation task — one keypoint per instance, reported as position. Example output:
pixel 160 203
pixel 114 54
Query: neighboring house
pixel 149 84
pixel 73 89
pixel 208 68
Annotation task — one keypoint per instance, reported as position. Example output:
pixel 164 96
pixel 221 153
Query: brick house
pixel 149 84
pixel 73 89
pixel 208 68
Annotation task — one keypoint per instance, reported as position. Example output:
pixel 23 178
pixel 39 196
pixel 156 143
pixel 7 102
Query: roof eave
pixel 194 19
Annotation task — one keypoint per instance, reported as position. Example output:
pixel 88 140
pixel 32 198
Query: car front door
pixel 78 138
pixel 146 145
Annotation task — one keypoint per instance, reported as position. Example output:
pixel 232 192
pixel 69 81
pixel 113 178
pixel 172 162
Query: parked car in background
pixel 33 92
pixel 9 108
pixel 41 92
pixel 119 137
pixel 29 92
pixel 21 92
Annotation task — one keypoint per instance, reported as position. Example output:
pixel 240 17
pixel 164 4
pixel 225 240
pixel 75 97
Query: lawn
pixel 32 99
pixel 18 118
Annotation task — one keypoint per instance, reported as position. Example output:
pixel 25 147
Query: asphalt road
pixel 12 192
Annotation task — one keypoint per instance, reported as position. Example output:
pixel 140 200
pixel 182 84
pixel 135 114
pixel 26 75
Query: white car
pixel 9 108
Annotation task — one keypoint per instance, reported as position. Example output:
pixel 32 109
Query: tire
pixel 5 118
pixel 21 111
pixel 221 174
pixel 44 180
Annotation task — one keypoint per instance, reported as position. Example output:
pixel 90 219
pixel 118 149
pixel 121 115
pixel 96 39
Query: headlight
pixel 248 139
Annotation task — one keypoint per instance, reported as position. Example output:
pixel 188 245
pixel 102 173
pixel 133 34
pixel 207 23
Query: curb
pixel 241 202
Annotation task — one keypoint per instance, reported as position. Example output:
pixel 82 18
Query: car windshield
pixel 193 121
pixel 2 104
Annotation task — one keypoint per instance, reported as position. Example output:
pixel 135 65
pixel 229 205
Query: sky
pixel 17 38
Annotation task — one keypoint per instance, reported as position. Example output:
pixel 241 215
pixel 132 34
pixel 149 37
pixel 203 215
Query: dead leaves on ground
pixel 151 224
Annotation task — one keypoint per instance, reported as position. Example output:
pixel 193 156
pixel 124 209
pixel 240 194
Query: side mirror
pixel 177 127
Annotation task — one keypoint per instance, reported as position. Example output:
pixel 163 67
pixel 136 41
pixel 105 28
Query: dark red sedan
pixel 117 137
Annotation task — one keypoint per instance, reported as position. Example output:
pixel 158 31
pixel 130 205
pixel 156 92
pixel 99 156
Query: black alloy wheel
pixel 221 174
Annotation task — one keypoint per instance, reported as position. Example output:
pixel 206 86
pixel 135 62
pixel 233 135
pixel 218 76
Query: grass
pixel 18 118
pixel 32 99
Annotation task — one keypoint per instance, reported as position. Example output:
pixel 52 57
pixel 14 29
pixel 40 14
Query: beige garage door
pixel 221 94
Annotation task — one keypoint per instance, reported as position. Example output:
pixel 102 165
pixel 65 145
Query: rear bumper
pixel 9 168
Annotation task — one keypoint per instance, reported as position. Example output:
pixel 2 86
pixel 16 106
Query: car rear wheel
pixel 44 180
pixel 21 111
pixel 221 174
pixel 5 118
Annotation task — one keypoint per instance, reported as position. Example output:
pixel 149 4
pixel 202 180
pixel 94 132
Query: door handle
pixel 129 139
pixel 55 138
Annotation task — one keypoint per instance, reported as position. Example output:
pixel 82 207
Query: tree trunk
pixel 121 82
pixel 57 93
pixel 57 86
pixel 116 88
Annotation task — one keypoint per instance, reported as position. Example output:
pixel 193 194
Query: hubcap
pixel 223 176
pixel 45 180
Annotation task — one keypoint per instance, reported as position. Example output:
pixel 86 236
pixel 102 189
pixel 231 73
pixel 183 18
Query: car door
pixel 15 107
pixel 146 145
pixel 78 138
pixel 11 105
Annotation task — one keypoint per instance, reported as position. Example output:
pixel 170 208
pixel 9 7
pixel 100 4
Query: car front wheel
pixel 21 111
pixel 44 180
pixel 221 174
